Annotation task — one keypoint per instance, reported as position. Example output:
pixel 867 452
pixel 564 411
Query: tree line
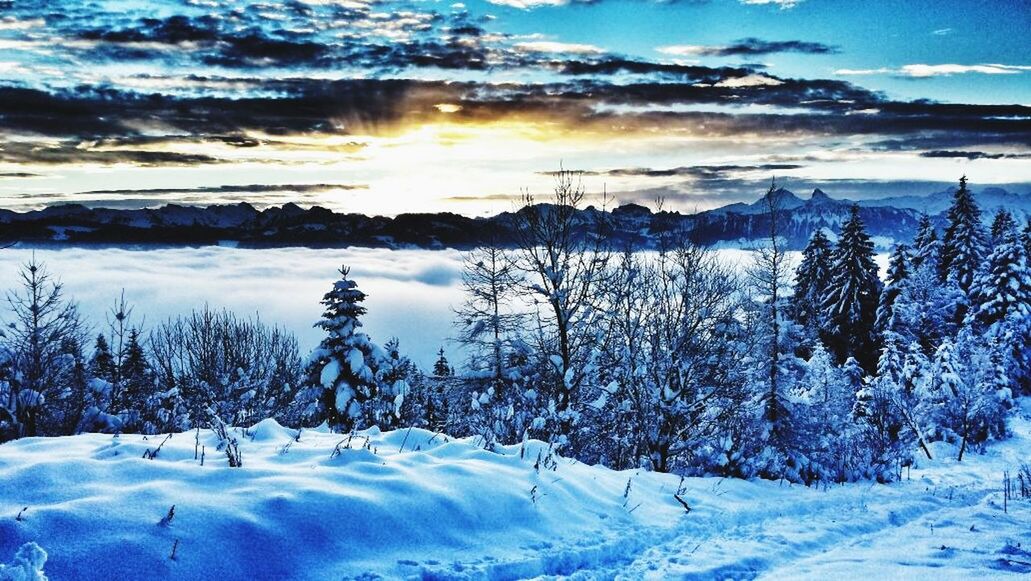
pixel 672 360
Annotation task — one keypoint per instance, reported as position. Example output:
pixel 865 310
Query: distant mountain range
pixel 888 220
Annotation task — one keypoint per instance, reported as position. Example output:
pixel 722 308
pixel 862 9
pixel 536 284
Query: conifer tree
pixel 963 246
pixel 1025 238
pixel 811 279
pixel 926 246
pixel 44 338
pixel 137 384
pixel 898 274
pixel 395 384
pixel 441 367
pixel 345 363
pixel 1002 223
pixel 854 377
pixel 102 365
pixel 853 292
pixel 1003 289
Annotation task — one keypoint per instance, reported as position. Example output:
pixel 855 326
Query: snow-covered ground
pixel 414 504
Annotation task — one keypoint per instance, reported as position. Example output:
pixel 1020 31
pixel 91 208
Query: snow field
pixel 413 504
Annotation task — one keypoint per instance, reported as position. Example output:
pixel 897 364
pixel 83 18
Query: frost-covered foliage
pixel 241 368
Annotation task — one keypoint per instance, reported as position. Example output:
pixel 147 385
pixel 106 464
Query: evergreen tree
pixel 1002 223
pixel 811 279
pixel 345 363
pixel 1025 238
pixel 963 246
pixel 395 382
pixel 103 363
pixel 44 396
pixel 898 274
pixel 441 367
pixel 925 310
pixel 136 387
pixel 1003 289
pixel 926 246
pixel 854 377
pixel 853 292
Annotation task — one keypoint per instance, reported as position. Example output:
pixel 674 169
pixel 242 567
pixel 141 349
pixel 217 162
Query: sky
pixel 392 106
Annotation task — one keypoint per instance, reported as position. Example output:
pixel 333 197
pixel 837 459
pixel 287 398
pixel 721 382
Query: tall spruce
pixel 926 245
pixel 898 273
pixel 811 279
pixel 853 293
pixel 963 245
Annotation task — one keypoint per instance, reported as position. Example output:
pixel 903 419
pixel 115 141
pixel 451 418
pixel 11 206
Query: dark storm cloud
pixel 232 189
pixel 73 152
pixel 757 47
pixel 974 154
pixel 702 172
pixel 612 65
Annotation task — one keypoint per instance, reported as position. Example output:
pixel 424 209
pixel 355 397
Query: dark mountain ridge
pixel 888 220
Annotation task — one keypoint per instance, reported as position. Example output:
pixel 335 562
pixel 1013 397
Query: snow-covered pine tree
pixel 441 367
pixel 853 292
pixel 907 399
pixel 925 310
pixel 1003 289
pixel 345 363
pixel 898 274
pixel 1025 238
pixel 1001 304
pixel 102 365
pixel 768 277
pixel 395 384
pixel 963 245
pixel 811 279
pixel 1002 223
pixel 926 246
pixel 137 385
pixel 874 405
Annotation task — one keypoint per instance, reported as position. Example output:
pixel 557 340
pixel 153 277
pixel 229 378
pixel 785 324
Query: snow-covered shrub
pixel 242 368
pixel 27 564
